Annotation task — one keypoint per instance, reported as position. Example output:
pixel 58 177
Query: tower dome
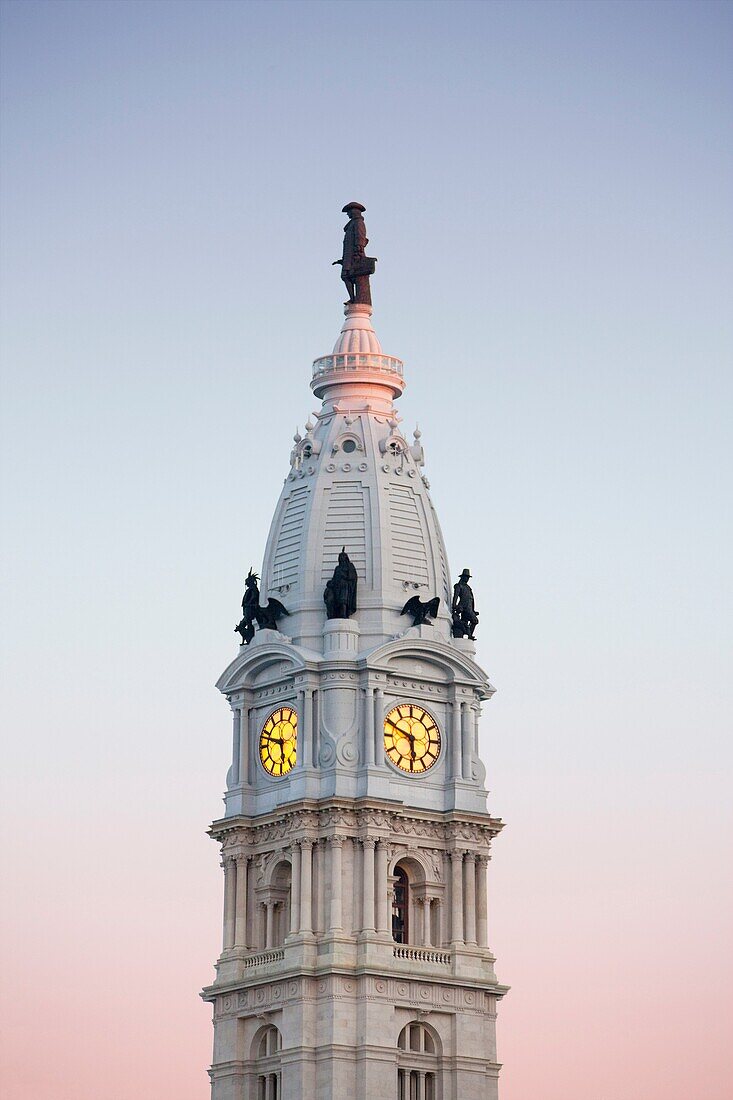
pixel 355 482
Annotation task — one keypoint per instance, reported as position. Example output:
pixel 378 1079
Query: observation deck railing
pixel 350 362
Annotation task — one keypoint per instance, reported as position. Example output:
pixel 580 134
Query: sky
pixel 548 193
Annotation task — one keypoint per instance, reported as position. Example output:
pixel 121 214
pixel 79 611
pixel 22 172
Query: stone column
pixel 469 895
pixel 269 915
pixel 252 761
pixel 437 908
pixel 230 896
pixel 335 844
pixel 482 929
pixel 301 735
pixel 378 724
pixel 240 916
pixel 456 868
pixel 295 889
pixel 419 910
pixel 306 885
pixel 367 906
pixel 466 739
pixel 236 740
pixel 305 728
pixel 244 745
pixel 308 721
pixel 428 922
pixel 456 738
pixel 315 720
pixel 368 726
pixel 318 886
pixel 382 887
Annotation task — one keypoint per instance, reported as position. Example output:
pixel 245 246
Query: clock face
pixel 277 741
pixel 411 738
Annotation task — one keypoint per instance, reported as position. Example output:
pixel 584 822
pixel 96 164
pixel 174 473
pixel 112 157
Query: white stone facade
pixel 323 868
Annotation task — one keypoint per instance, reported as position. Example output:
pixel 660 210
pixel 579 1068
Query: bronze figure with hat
pixel 465 615
pixel 356 267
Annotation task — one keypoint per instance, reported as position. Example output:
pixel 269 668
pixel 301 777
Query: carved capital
pixel 335 841
pixel 369 841
pixel 307 842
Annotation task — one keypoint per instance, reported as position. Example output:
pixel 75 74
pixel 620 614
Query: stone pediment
pixel 265 661
pixel 422 659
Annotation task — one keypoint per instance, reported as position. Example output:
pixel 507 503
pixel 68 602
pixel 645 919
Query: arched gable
pixel 253 664
pixel 431 658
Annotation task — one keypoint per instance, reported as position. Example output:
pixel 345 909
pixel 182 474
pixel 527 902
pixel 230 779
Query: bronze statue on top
pixel 355 266
pixel 465 615
pixel 340 593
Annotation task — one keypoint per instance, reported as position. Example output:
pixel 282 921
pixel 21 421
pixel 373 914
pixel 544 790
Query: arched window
pixel 400 906
pixel 418 1064
pixel 267 1064
pixel 274 907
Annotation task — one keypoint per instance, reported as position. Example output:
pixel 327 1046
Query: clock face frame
pixel 412 739
pixel 278 742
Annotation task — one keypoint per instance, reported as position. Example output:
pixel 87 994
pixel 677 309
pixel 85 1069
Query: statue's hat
pixel 353 206
pixel 465 573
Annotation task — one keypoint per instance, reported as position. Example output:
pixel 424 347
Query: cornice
pixel 318 820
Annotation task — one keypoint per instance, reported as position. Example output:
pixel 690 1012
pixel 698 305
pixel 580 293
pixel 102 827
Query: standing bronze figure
pixel 265 617
pixel 250 603
pixel 340 594
pixel 465 615
pixel 355 266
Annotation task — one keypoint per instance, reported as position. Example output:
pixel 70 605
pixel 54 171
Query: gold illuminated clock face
pixel 277 741
pixel 411 738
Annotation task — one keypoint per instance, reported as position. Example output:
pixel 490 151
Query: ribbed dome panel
pixel 357 337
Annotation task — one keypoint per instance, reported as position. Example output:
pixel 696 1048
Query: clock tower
pixel 355 838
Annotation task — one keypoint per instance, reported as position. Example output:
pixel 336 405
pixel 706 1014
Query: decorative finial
pixel 355 266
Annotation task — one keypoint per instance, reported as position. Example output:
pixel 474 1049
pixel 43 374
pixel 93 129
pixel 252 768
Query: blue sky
pixel 548 193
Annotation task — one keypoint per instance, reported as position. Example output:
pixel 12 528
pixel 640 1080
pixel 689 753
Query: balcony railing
pixel 422 954
pixel 265 957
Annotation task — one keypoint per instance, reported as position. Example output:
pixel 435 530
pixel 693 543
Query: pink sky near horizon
pixel 548 192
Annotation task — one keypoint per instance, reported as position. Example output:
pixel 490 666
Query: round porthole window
pixel 348 445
